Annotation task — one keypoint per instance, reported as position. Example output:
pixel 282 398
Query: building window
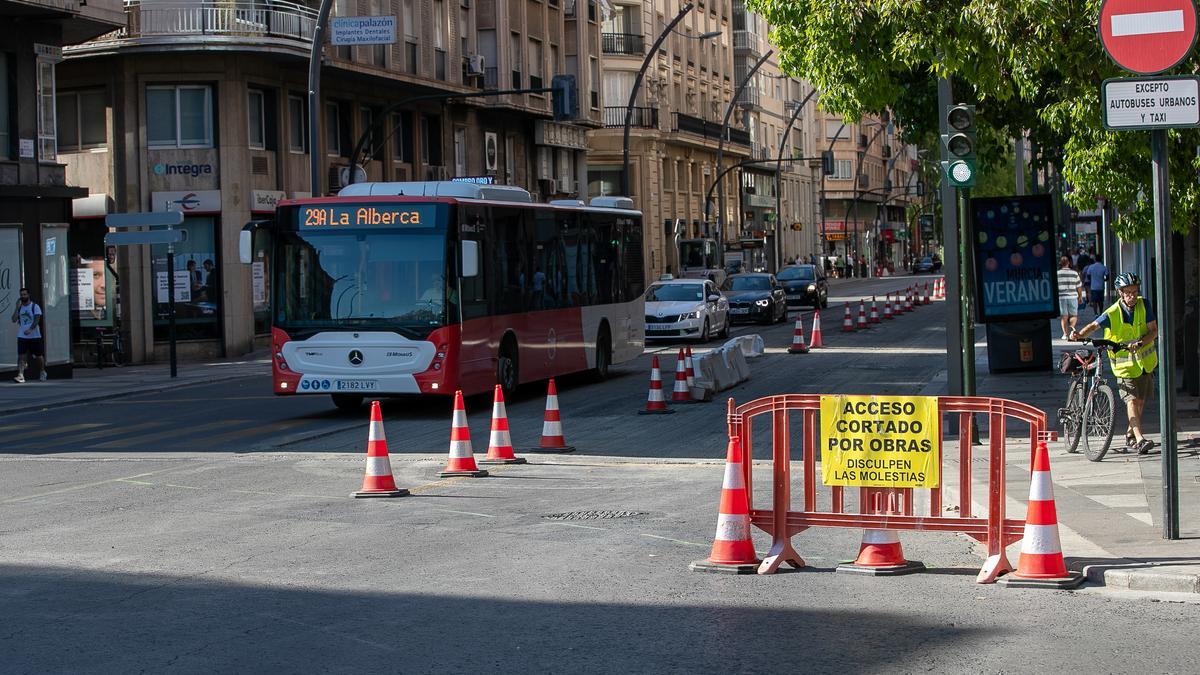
pixel 5 102
pixel 832 132
pixel 535 64
pixel 402 137
pixel 842 170
pixel 82 120
pixel 431 140
pixel 179 117
pixel 333 139
pixel 460 151
pixel 256 119
pixel 297 126
pixel 47 141
pixel 515 54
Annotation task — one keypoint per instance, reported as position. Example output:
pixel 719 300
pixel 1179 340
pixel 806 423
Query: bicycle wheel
pixel 1098 422
pixel 1071 416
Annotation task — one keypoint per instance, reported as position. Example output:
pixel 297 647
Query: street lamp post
pixel 825 248
pixel 862 155
pixel 779 179
pixel 721 149
pixel 637 85
pixel 314 96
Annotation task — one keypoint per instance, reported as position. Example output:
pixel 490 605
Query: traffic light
pixel 565 97
pixel 827 162
pixel 960 144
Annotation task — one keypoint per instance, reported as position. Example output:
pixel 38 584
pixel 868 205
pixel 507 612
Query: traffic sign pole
pixel 1166 346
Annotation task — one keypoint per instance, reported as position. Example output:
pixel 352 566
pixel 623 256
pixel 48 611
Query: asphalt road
pixel 210 530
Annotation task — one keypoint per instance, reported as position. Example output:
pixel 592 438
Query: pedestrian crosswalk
pixel 1115 483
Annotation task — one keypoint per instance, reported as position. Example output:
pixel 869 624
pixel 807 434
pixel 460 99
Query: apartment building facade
pixel 201 107
pixel 35 196
pixel 866 199
pixel 676 131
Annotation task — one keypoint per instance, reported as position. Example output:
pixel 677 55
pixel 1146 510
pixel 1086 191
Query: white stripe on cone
pixel 460 449
pixel 734 480
pixel 1041 539
pixel 459 419
pixel 379 466
pixel 552 428
pixel 375 431
pixel 552 402
pixel 1041 488
pixel 499 438
pixel 732 528
pixel 880 537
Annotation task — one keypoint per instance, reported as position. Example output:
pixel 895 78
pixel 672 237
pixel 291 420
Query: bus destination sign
pixel 334 216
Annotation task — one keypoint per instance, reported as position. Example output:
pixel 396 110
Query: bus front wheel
pixel 506 367
pixel 347 402
pixel 603 355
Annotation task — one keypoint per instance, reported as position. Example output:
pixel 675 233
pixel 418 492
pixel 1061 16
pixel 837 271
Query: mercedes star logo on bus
pixel 356 357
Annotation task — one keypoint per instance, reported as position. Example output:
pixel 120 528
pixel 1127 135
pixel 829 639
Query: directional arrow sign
pixel 1147 36
pixel 157 219
pixel 151 237
pixel 1151 102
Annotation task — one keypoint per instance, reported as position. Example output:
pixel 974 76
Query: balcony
pixel 747 42
pixel 183 24
pixel 750 97
pixel 623 44
pixel 643 118
pixel 712 130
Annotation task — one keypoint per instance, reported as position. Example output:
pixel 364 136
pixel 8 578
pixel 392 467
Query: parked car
pixel 804 285
pixel 686 308
pixel 924 266
pixel 755 297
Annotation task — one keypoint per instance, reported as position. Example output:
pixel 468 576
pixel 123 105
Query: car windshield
pixel 378 279
pixel 675 293
pixel 926 261
pixel 804 273
pixel 749 283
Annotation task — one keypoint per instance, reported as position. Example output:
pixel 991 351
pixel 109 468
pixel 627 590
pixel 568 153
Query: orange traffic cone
pixel 862 316
pixel 940 288
pixel 462 460
pixel 500 450
pixel 691 367
pixel 681 393
pixel 552 432
pixel 887 307
pixel 815 341
pixel 1041 563
pixel 798 346
pixel 908 306
pixel 881 555
pixel 847 321
pixel 655 403
pixel 732 549
pixel 873 317
pixel 378 480
pixel 927 299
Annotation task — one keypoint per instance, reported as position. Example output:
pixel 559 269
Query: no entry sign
pixel 1147 36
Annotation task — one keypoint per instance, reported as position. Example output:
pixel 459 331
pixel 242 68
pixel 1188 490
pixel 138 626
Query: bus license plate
pixel 356 385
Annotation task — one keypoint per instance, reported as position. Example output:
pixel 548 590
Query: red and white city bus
pixel 429 287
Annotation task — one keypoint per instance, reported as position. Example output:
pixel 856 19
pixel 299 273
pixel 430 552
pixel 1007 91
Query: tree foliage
pixel 1033 65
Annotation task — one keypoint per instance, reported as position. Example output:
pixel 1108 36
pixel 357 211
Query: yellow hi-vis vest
pixel 1124 363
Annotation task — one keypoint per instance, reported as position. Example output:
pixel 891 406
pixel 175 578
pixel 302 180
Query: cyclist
pixel 1131 322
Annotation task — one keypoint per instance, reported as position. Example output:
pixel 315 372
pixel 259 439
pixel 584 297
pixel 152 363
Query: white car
pixel 686 308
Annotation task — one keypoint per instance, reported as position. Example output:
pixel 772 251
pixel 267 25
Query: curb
pixel 109 395
pixel 1135 576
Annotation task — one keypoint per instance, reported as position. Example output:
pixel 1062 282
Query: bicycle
pixel 1090 409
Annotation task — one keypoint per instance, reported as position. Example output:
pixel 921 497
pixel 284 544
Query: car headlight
pixel 692 315
pixel 762 303
pixel 812 287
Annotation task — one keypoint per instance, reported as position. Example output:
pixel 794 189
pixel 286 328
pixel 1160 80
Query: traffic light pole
pixel 950 242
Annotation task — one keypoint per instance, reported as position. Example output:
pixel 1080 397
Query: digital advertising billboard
pixel 1015 258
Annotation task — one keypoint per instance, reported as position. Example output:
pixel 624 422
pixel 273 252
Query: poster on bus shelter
pixel 1015 258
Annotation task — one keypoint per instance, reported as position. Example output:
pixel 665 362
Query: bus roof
pixel 443 188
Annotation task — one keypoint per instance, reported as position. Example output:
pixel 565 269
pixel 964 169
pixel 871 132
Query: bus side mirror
pixel 470 258
pixel 246 247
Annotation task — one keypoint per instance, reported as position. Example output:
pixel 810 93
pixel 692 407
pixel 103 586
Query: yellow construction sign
pixel 880 441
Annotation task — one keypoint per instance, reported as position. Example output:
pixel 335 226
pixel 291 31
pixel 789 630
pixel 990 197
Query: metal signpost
pixel 170 237
pixel 1149 40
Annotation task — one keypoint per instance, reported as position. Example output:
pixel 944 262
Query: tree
pixel 1033 65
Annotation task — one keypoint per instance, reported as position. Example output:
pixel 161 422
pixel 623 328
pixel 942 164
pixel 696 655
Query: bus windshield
pixel 377 279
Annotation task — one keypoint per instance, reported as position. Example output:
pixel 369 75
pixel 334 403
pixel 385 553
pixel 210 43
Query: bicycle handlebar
pixel 1101 343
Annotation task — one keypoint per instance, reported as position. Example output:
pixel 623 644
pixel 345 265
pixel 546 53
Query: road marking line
pixel 254 429
pixel 466 513
pixel 84 486
pixel 110 430
pixel 582 527
pixel 677 541
pixel 173 431
pixel 55 430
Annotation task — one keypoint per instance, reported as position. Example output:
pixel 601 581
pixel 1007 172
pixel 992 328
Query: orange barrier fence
pixel 883 508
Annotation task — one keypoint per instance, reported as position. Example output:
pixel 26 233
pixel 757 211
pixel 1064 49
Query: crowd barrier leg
pixel 781 550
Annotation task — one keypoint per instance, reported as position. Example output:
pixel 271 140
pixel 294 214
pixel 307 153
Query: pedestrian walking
pixel 28 317
pixel 1096 274
pixel 1131 322
pixel 1070 296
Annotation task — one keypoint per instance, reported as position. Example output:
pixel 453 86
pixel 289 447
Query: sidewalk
pixel 1109 511
pixel 93 384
